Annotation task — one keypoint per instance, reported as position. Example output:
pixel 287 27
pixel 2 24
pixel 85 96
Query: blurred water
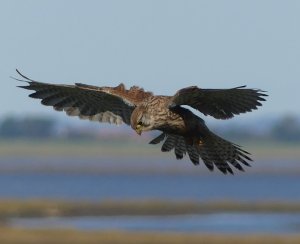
pixel 214 223
pixel 150 186
pixel 28 182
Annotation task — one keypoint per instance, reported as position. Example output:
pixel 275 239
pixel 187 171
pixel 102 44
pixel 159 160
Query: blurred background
pixel 63 179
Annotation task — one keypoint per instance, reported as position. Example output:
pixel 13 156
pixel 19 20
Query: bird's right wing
pixel 103 104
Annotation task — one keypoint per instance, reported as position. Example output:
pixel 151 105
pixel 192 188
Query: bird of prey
pixel 181 129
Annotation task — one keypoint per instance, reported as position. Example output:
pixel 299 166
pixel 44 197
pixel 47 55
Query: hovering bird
pixel 180 128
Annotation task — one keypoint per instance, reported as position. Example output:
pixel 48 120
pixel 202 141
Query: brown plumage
pixel 182 131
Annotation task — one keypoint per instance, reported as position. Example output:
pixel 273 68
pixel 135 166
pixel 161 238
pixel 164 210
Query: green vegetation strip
pixel 74 148
pixel 132 146
pixel 45 208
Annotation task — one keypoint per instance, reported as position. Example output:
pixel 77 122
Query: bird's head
pixel 141 120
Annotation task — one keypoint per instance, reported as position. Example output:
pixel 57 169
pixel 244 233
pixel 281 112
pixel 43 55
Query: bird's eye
pixel 140 123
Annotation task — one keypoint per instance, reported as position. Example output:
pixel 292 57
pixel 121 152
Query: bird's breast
pixel 170 122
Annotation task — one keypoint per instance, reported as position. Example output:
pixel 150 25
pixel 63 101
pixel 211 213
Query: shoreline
pixel 20 236
pixel 55 208
pixel 266 149
pixel 128 157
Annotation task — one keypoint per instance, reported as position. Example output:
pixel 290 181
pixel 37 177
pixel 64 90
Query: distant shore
pixel 131 157
pixel 59 236
pixel 57 208
pixel 260 149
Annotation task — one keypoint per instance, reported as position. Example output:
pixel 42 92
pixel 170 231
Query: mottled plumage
pixel 182 131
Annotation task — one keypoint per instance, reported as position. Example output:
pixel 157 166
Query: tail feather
pixel 193 154
pixel 212 149
pixel 180 149
pixel 169 143
pixel 223 153
pixel 215 157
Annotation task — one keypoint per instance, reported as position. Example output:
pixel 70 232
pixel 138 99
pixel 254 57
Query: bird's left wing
pixel 103 104
pixel 219 103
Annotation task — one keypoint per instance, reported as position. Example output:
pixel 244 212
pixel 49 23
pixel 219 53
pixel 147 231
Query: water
pixel 209 187
pixel 242 223
pixel 164 186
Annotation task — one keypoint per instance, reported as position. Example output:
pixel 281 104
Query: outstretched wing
pixel 103 104
pixel 219 103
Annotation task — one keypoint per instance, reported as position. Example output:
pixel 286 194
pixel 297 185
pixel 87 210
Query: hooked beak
pixel 138 129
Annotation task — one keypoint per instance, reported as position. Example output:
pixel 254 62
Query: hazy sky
pixel 160 45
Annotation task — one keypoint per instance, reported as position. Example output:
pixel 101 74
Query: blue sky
pixel 159 45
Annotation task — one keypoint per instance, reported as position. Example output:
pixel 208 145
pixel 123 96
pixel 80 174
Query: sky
pixel 159 45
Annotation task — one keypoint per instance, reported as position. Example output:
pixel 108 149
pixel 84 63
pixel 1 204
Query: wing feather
pixel 219 103
pixel 103 104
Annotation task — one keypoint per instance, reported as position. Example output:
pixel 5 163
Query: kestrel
pixel 180 128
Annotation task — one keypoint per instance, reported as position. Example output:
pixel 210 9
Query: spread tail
pixel 212 149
